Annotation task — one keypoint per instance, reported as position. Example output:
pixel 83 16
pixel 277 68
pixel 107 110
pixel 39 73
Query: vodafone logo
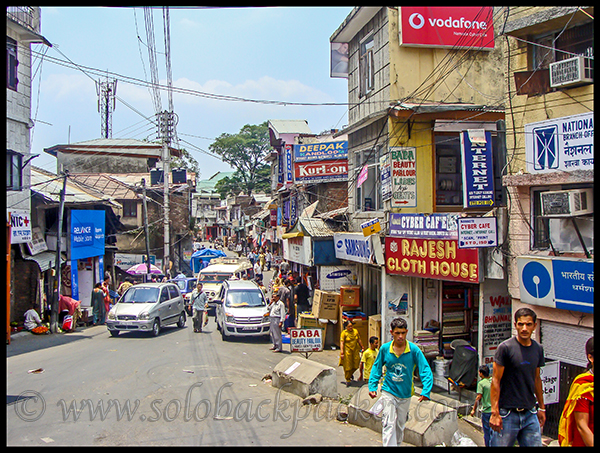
pixel 416 21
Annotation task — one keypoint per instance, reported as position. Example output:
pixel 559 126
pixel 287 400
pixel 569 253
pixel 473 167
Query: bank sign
pixel 87 234
pixel 565 144
pixel 566 283
pixel 447 27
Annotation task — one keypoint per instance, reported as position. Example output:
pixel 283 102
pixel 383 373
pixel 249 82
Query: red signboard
pixel 431 258
pixel 443 26
pixel 320 171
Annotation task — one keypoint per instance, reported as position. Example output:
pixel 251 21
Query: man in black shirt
pixel 516 384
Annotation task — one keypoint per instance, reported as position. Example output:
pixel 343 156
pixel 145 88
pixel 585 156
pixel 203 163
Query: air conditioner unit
pixel 571 71
pixel 567 203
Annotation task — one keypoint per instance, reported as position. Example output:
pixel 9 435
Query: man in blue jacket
pixel 400 358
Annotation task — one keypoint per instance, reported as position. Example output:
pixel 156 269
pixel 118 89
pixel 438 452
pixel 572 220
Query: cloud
pixel 69 86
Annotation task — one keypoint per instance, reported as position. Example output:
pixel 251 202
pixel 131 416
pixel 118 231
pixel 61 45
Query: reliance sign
pixel 448 27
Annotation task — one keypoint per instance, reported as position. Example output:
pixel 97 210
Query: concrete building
pixel 548 60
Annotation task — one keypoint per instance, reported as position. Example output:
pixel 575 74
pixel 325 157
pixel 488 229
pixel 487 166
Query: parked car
pixel 186 286
pixel 219 270
pixel 241 310
pixel 147 307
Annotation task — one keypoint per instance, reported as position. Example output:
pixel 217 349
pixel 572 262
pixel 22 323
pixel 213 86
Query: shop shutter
pixel 565 342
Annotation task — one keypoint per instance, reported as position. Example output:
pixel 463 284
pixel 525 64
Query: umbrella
pixel 142 268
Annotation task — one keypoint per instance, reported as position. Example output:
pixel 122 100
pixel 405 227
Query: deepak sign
pixel 449 27
pixel 440 259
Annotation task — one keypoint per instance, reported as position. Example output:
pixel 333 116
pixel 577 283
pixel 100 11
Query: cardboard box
pixel 325 304
pixel 306 320
pixel 375 327
pixel 349 296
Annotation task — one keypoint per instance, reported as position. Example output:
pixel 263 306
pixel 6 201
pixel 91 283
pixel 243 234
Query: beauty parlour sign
pixel 439 259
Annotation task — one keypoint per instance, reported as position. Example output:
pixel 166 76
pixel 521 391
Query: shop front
pixel 444 289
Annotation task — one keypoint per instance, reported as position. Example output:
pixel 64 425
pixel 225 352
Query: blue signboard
pixel 478 174
pixel 425 226
pixel 321 151
pixel 565 283
pixel 87 234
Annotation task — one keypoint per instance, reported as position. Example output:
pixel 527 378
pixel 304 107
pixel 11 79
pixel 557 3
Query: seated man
pixel 32 319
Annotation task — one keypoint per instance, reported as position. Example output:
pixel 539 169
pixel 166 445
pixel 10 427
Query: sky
pixel 254 53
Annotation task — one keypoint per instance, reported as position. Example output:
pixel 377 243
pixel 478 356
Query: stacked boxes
pixel 325 304
pixel 375 328
pixel 349 296
pixel 306 320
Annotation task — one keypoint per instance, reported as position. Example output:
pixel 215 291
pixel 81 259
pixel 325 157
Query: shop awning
pixel 45 260
pixel 292 234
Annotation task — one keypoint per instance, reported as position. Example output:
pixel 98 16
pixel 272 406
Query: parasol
pixel 142 268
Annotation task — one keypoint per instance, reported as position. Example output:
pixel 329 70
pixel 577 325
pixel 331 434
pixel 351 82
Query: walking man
pixel 516 385
pixel 400 358
pixel 276 317
pixel 199 305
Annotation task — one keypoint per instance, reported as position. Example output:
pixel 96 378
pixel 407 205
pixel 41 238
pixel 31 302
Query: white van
pixel 219 270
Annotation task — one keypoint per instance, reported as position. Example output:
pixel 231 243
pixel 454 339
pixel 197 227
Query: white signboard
pixel 477 232
pixel 298 250
pixel 353 247
pixel 20 226
pixel 306 340
pixel 560 144
pixel 549 374
pixel 403 162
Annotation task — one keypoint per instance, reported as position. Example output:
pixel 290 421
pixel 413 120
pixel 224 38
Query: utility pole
pixel 165 121
pixel 146 226
pixel 56 296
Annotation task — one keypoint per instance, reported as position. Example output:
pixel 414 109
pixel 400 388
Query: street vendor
pixel 32 318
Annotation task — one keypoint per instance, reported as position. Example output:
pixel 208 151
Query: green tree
pixel 245 152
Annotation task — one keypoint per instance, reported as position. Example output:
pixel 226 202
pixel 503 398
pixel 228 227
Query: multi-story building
pixel 548 59
pixel 23 28
pixel 425 149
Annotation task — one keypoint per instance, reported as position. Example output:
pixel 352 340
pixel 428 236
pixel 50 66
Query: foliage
pixel 246 153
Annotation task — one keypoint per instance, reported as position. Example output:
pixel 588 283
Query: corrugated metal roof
pixel 316 228
pixel 49 187
pixel 436 107
pixel 127 146
pixel 107 185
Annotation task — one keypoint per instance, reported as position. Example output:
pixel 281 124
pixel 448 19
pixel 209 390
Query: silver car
pixel 147 307
pixel 241 310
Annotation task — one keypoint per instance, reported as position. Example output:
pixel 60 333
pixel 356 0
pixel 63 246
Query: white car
pixel 147 307
pixel 241 310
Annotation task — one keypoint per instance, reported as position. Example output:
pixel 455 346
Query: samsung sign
pixel 449 27
pixel 353 247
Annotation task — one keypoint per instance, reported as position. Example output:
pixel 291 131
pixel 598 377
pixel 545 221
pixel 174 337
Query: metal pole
pixel 166 164
pixel 56 296
pixel 8 264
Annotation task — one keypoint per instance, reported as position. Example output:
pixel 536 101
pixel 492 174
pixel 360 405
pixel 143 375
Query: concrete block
pixel 429 423
pixel 305 377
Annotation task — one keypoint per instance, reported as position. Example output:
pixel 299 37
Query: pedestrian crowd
pixel 510 399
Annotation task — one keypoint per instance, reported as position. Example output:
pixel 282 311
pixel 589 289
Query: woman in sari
pixel 576 425
pixel 350 349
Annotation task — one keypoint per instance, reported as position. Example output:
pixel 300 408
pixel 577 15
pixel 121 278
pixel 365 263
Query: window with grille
pixel 129 208
pixel 563 44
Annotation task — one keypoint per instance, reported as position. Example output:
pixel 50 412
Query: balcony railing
pixel 25 16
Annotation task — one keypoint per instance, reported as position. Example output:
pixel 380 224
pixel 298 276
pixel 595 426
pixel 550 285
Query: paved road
pixel 180 388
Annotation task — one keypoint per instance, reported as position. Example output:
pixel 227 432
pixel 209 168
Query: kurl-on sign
pixel 443 26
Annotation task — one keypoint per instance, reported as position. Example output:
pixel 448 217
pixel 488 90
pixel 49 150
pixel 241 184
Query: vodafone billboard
pixel 448 27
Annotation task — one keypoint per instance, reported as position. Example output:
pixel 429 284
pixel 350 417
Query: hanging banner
pixel 438 259
pixel 87 234
pixel 386 177
pixel 478 174
pixel 362 176
pixel 403 162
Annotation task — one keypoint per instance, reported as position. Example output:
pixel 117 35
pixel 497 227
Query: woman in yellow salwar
pixel 350 349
